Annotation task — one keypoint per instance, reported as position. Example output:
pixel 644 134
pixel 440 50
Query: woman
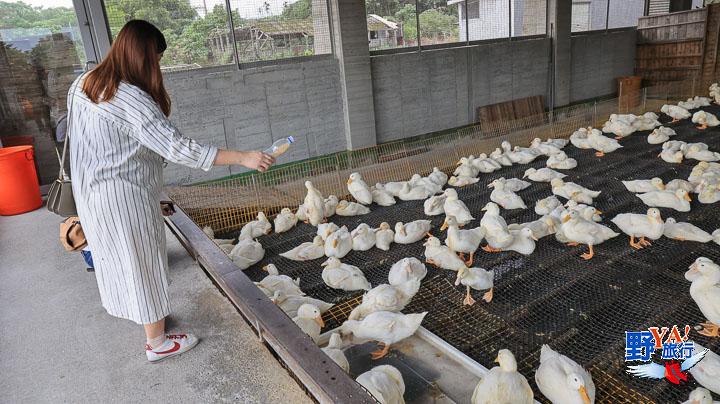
pixel 120 134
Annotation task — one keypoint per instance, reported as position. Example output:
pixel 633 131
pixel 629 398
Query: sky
pixel 248 8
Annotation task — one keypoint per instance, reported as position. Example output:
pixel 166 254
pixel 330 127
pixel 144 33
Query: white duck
pixel 385 383
pixel 580 139
pixel 384 236
pixel 700 396
pixel 257 227
pixel 677 183
pixel 547 149
pixel 465 168
pixel 291 303
pixel 339 243
pixel 678 200
pixel 699 151
pixel 543 174
pixel 523 241
pixel 640 186
pixel 646 121
pixel 385 297
pixel 709 194
pixel 477 279
pixel 704 120
pixel 345 208
pixel 484 164
pixel 520 155
pixel 343 276
pixel 707 371
pixel 434 205
pixel 408 233
pixel 705 291
pixel 301 214
pixel 414 193
pixel 419 181
pixel 382 197
pixel 578 230
pixel 562 380
pixel 462 241
pixel 545 226
pixel 620 125
pixel 505 198
pixel 602 143
pixel 496 232
pixel 285 220
pixel 384 327
pixel 573 191
pixel 406 270
pixel 334 350
pixel 675 112
pixel 660 135
pixel 394 187
pixel 307 251
pixel 649 225
pixel 363 237
pixel 441 256
pixel 545 206
pixel 438 177
pixel 558 142
pixel 671 155
pixel 330 204
pixel 309 320
pixel 685 231
pixel 324 230
pixel 561 161
pixel 274 282
pixel 359 189
pixel 499 156
pixel 695 102
pixel 512 184
pixel 209 231
pixel 246 253
pixel 462 181
pixel 503 384
pixel 715 92
pixel 314 204
pixel 455 207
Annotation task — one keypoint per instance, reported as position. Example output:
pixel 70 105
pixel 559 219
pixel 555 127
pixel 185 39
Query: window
pixel 439 22
pixel 580 16
pixel 373 34
pixel 625 13
pixel 529 17
pixel 41 54
pixel 489 19
pixel 394 22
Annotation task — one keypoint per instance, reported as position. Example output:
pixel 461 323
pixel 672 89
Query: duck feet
pixel 468 301
pixel 489 249
pixel 380 353
pixel 599 154
pixel 572 244
pixel 488 295
pixel 431 262
pixel 710 330
pixel 702 127
pixel 461 256
pixel 618 137
pixel 644 242
pixel 588 255
pixel 675 120
pixel 469 262
pixel 635 245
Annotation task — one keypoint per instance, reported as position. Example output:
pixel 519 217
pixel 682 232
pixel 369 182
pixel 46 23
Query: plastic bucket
pixel 19 187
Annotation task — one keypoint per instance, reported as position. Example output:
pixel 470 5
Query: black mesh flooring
pixel 582 309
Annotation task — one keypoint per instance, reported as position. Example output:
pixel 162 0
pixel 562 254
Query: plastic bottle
pixel 279 147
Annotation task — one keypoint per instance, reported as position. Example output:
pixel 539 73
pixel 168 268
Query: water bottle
pixel 279 147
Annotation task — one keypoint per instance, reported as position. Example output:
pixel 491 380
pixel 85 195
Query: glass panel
pixel 439 22
pixel 391 24
pixel 489 19
pixel 625 13
pixel 588 15
pixel 529 17
pixel 196 31
pixel 41 53
pixel 272 29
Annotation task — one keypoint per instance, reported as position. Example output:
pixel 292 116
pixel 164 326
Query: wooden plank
pixel 325 381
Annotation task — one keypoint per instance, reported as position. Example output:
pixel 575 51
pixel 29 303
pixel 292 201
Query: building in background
pixel 490 19
pixel 383 33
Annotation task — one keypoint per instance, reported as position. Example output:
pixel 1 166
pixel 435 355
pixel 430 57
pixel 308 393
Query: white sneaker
pixel 174 345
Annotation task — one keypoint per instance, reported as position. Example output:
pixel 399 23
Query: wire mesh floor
pixel 581 308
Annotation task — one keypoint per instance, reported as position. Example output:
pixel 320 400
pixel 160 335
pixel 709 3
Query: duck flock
pixel 455 237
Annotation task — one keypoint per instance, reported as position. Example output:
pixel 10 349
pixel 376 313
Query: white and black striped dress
pixel 116 160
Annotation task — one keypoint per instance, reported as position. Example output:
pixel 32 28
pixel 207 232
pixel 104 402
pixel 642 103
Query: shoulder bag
pixel 60 198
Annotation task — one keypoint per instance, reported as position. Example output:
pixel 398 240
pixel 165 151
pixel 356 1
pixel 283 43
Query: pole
pixel 231 25
pixel 467 23
pixel 417 26
pixel 607 16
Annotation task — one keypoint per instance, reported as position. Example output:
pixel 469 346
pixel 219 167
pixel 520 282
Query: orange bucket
pixel 19 187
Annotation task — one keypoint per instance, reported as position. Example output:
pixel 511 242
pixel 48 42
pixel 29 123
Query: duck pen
pixel 580 308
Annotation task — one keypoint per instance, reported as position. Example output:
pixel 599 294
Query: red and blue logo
pixel 676 352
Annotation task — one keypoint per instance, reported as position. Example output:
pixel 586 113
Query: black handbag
pixel 60 198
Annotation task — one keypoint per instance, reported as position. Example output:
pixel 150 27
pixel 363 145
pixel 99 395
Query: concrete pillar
pixel 559 18
pixel 353 53
pixel 321 27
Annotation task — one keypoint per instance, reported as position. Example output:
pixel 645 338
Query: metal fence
pixel 228 203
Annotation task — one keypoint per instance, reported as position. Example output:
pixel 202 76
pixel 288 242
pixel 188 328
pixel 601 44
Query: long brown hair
pixel 133 58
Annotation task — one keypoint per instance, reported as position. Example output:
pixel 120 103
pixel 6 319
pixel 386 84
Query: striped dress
pixel 116 162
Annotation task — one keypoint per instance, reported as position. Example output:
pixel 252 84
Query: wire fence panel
pixel 439 22
pixel 529 17
pixel 188 26
pixel 488 19
pixel 391 24
pixel 625 13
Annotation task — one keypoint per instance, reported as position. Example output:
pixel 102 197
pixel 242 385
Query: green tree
pixel 299 10
pixel 433 23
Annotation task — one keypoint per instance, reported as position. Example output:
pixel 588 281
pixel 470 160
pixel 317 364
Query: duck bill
pixel 321 323
pixel 687 198
pixel 444 226
pixel 598 212
pixel 497 359
pixel 265 268
pixel 565 219
pixel 584 395
pixel 534 238
pixel 349 181
pixel 335 243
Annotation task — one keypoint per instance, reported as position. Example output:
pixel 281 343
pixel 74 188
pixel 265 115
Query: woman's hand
pixel 256 160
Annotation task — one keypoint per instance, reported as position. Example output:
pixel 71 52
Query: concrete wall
pixel 597 59
pixel 416 93
pixel 249 109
